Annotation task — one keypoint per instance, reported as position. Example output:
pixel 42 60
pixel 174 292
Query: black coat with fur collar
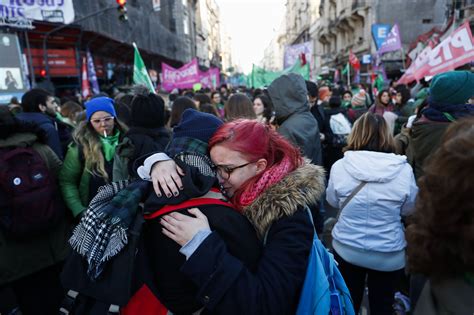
pixel 226 286
pixel 176 291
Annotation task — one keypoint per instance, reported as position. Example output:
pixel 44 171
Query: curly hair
pixel 441 238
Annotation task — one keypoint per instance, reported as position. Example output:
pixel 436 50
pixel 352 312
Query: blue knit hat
pixel 98 104
pixel 198 125
pixel 453 87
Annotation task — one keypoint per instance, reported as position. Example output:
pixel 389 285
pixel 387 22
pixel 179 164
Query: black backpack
pixel 30 201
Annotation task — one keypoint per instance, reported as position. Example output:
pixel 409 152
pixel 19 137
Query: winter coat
pixel 425 140
pixel 446 297
pixel 372 219
pixel 136 143
pixel 75 180
pixel 227 286
pixel 23 258
pixel 296 123
pixel 48 124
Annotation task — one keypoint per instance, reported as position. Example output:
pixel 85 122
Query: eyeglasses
pixel 99 120
pixel 224 171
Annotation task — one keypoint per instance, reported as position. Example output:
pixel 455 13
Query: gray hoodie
pixel 297 124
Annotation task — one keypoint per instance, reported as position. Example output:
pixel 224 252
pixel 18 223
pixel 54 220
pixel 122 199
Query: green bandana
pixel 109 144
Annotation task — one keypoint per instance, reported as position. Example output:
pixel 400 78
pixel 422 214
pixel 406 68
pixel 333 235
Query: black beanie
pixel 148 111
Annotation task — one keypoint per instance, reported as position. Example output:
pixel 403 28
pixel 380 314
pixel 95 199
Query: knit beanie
pixel 198 125
pixel 148 111
pixel 98 104
pixel 358 100
pixel 453 87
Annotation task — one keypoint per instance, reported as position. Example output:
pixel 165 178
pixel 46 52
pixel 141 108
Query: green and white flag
pixel 140 74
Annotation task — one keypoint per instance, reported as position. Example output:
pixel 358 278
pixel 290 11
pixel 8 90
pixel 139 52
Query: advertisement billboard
pixel 12 82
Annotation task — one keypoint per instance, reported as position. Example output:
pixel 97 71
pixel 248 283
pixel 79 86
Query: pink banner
pixel 455 50
pixel 210 79
pixel 182 78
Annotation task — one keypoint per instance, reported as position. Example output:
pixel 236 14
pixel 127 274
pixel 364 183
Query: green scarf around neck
pixel 109 144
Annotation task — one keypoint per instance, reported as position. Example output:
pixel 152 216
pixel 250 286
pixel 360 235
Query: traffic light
pixel 43 73
pixel 122 9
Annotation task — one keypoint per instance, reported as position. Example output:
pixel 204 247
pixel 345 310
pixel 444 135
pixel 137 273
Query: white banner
pixel 57 11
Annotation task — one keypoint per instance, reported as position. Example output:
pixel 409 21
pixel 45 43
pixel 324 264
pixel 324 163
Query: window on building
pixel 426 21
pixel 186 24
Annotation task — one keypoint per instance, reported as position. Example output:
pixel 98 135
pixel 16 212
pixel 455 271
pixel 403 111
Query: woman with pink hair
pixel 268 181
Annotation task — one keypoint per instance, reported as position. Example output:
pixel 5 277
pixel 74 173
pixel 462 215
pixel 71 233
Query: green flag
pixel 261 77
pixel 140 74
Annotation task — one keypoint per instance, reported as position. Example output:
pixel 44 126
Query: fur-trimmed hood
pixel 301 187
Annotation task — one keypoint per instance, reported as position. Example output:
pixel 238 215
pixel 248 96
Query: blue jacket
pixel 226 286
pixel 49 126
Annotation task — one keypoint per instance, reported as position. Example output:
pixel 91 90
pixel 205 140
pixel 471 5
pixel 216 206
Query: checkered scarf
pixel 102 232
pixel 185 144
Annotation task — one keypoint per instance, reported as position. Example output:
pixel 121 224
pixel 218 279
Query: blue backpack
pixel 324 290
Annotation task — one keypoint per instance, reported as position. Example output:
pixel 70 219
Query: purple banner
pixel 392 42
pixel 182 78
pixel 91 73
pixel 292 53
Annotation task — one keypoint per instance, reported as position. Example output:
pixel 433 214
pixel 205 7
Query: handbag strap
pixel 348 199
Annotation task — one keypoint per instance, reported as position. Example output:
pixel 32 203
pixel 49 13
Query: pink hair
pixel 255 141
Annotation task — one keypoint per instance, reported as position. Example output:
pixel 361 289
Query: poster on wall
pixel 56 11
pixel 12 77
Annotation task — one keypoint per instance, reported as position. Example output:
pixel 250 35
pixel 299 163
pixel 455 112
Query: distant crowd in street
pixel 208 201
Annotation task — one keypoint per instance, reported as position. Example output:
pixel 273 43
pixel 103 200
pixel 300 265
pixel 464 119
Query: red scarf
pixel 270 176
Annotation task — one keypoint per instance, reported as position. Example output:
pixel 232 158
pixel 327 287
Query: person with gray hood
pixel 295 121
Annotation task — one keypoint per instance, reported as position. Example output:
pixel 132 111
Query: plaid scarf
pixel 185 144
pixel 102 232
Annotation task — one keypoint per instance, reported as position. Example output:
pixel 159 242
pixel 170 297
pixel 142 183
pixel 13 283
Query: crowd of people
pixel 223 180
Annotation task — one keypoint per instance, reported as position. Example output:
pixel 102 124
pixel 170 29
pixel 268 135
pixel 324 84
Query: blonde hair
pixel 89 140
pixel 370 133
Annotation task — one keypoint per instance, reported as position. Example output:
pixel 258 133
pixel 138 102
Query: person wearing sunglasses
pixel 89 161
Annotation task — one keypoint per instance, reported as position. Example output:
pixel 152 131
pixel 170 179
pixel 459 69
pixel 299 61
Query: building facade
pixel 347 25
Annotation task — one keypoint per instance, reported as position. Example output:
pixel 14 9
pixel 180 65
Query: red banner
pixel 353 60
pixel 455 50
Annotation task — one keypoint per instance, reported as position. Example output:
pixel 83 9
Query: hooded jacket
pixel 372 219
pixel 226 286
pixel 22 258
pixel 296 123
pixel 49 126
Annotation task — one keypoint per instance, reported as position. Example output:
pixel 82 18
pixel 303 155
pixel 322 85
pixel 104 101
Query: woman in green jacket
pixel 89 160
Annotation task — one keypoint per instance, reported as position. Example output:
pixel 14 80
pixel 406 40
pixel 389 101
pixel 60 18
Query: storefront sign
pixel 56 11
pixel 17 22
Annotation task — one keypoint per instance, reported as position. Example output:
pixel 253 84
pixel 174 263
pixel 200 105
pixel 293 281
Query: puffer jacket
pixel 372 219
